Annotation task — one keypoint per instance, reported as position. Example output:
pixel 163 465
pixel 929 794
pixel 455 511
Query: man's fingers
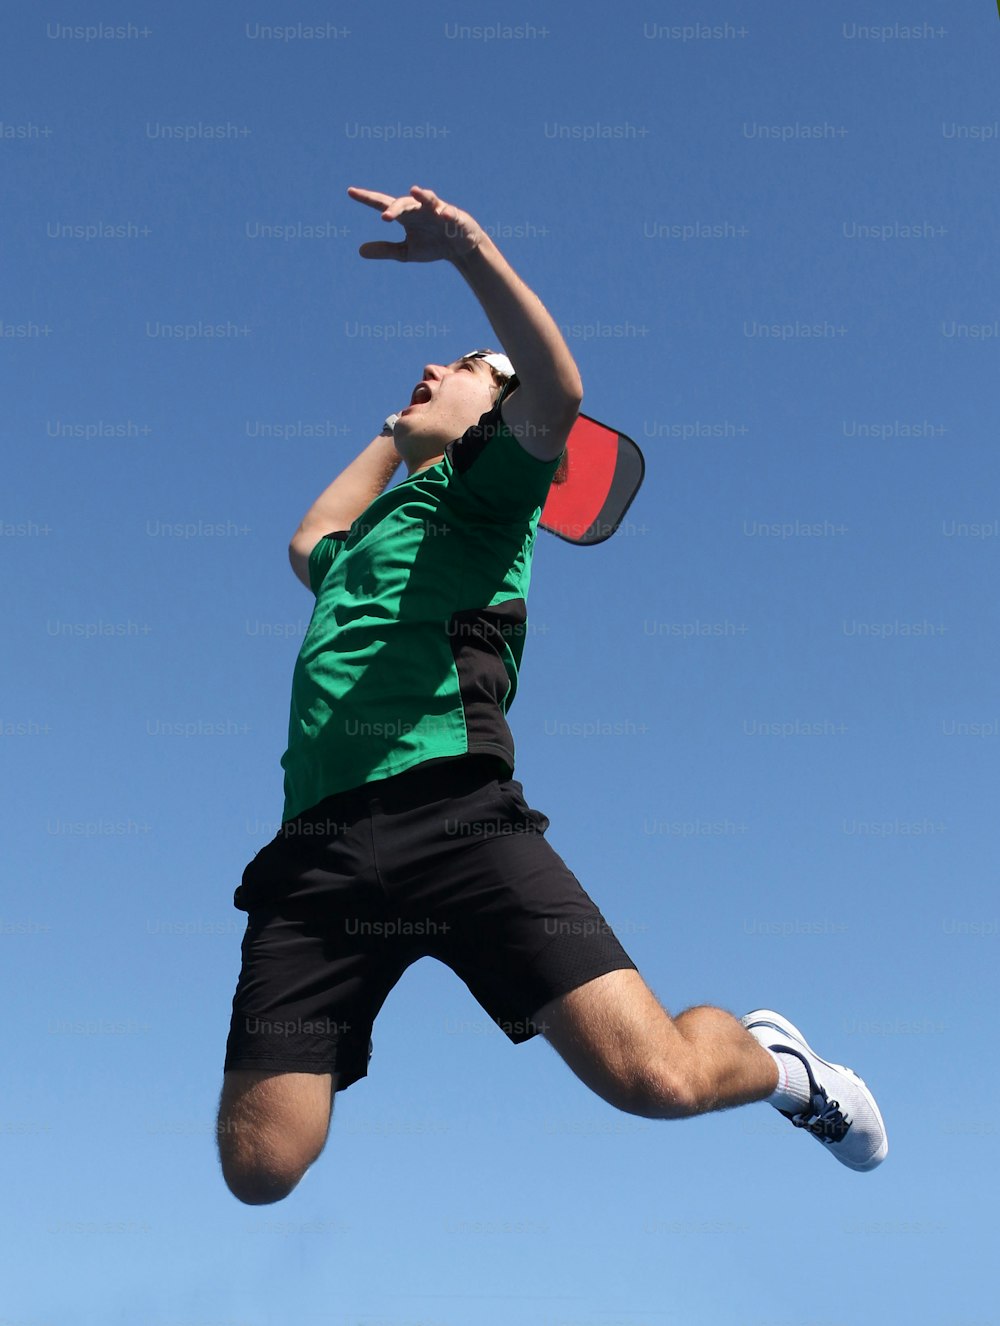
pixel 393 208
pixel 378 248
pixel 419 199
pixel 427 197
pixel 399 206
pixel 447 211
pixel 370 198
pixel 385 202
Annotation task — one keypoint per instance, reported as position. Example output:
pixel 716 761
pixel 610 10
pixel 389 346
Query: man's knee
pixel 259 1166
pixel 259 1184
pixel 618 1039
pixel 663 1090
pixel 269 1132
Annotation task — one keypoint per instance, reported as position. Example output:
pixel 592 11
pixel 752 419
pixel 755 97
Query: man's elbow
pixel 560 400
pixel 561 394
pixel 568 406
pixel 298 557
pixel 570 391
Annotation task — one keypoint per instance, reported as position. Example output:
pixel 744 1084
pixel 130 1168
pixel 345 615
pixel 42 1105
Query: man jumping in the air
pixel 404 833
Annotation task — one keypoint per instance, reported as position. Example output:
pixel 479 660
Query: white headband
pixel 500 362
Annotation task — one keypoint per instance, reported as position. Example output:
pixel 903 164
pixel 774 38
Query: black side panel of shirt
pixel 477 636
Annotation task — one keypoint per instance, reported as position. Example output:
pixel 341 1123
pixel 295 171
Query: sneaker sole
pixel 767 1017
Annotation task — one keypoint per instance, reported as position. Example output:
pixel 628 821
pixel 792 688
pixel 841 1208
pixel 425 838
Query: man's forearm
pixel 527 331
pixel 339 505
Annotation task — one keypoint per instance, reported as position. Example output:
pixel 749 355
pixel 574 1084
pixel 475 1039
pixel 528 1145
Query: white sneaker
pixel 849 1126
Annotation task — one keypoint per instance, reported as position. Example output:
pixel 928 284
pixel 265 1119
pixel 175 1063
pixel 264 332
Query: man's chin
pixel 417 449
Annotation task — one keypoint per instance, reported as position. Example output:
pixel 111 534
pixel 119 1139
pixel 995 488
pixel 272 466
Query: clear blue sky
pixel 774 249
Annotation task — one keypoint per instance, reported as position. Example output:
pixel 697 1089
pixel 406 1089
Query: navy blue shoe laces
pixel 824 1118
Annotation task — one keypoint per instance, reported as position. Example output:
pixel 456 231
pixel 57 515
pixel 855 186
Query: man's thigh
pixel 612 1032
pixel 258 1103
pixel 271 1128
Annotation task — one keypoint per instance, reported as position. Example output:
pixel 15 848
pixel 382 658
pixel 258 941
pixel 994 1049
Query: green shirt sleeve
pixel 323 556
pixel 493 477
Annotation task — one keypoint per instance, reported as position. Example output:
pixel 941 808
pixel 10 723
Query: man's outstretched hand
pixel 434 229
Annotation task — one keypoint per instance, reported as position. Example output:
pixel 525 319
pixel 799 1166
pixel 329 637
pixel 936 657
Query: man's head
pixel 448 399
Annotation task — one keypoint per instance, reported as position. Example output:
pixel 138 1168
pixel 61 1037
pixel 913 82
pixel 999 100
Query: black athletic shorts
pixel 446 861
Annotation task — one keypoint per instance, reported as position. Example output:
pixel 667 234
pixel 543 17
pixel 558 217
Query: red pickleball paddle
pixel 603 473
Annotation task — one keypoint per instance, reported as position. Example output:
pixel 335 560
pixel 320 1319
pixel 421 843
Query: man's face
pixel 448 399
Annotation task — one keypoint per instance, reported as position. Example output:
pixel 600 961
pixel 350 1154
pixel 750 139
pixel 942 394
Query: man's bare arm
pixel 340 504
pixel 541 411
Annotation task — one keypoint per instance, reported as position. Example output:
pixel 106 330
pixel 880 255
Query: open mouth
pixel 421 394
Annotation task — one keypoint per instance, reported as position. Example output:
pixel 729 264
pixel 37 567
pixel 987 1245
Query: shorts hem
pixel 346 1076
pixel 281 1065
pixel 605 954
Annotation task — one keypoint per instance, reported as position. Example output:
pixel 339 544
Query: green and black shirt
pixel 417 633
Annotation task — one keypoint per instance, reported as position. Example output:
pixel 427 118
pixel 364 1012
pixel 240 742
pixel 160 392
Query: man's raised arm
pixel 543 407
pixel 541 411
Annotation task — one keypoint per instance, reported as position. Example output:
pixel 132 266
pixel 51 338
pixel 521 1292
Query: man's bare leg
pixel 618 1039
pixel 271 1128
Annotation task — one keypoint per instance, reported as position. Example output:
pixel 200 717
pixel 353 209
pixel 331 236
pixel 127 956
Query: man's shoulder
pixel 493 477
